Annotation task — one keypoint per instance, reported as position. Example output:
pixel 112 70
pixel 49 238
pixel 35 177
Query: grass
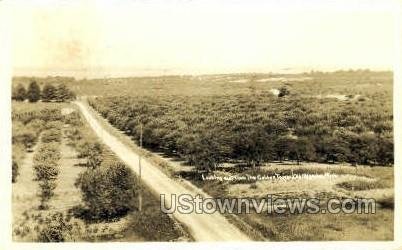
pixel 328 227
pixel 26 107
pixel 361 185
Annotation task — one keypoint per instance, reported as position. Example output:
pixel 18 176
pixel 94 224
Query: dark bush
pixel 56 229
pixel 154 226
pixel 51 135
pixel 14 171
pixel 87 148
pixel 108 191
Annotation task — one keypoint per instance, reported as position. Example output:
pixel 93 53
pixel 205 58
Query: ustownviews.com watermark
pixel 186 204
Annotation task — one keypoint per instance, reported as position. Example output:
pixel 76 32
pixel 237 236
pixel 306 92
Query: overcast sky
pixel 195 37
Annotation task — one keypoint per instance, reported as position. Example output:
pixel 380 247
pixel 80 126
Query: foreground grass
pixel 348 182
pixel 325 227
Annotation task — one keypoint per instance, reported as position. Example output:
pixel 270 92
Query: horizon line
pixel 45 73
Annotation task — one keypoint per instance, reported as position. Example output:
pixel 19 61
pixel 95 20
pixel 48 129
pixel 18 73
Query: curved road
pixel 203 227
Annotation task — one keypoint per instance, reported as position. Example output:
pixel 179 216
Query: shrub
pixel 73 134
pixel 87 148
pixel 94 159
pixel 73 119
pixel 47 191
pixel 46 170
pixel 56 229
pixel 93 153
pixel 108 191
pixel 35 125
pixel 51 135
pixel 283 91
pixel 56 124
pixel 26 137
pixel 154 226
pixel 48 152
pixel 14 171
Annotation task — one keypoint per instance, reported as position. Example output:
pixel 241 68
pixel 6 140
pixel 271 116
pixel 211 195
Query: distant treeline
pixel 49 93
pixel 255 129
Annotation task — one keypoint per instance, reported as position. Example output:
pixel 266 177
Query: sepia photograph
pixel 187 121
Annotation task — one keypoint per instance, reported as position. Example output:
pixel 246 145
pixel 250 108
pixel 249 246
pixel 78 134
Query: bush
pixel 51 135
pixel 46 170
pixel 154 226
pixel 87 148
pixel 73 134
pixel 56 124
pixel 47 191
pixel 14 171
pixel 73 119
pixel 35 125
pixel 24 134
pixel 94 159
pixel 48 152
pixel 108 191
pixel 26 137
pixel 56 229
pixel 283 91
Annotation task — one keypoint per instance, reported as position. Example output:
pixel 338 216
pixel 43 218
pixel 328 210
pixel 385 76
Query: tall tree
pixel 62 93
pixel 19 93
pixel 48 93
pixel 33 93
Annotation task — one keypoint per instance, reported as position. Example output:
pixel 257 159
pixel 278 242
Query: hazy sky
pixel 95 38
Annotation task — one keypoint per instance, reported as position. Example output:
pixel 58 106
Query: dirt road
pixel 203 227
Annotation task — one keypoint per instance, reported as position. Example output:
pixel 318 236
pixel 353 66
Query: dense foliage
pixel 108 191
pixel 49 93
pixel 14 171
pixel 33 92
pixel 45 162
pixel 258 127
